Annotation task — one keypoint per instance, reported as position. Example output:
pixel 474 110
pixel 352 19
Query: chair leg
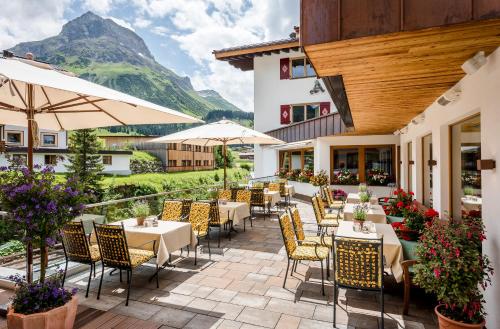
pixel 209 251
pixel 196 249
pixel 244 224
pixel 90 278
pixel 322 279
pixel 318 231
pixel 157 276
pixel 382 310
pixel 286 273
pixel 100 281
pixel 406 298
pixel 64 275
pixel 220 229
pixel 296 263
pixel 121 280
pixel 334 305
pixel 129 277
pixel 328 267
pixel 94 269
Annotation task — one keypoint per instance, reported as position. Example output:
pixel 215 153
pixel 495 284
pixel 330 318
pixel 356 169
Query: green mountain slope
pixel 103 52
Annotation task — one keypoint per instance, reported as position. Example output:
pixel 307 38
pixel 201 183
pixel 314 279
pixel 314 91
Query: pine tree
pixel 85 163
pixel 219 159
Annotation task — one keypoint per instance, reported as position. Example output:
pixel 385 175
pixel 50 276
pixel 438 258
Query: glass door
pixel 427 170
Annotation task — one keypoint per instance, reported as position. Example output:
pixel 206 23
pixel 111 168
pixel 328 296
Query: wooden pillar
pixel 225 162
pixel 31 118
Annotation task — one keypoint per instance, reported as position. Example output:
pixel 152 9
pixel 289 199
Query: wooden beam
pixel 335 86
pixel 252 50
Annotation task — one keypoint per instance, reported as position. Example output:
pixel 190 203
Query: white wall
pixel 270 92
pixel 480 94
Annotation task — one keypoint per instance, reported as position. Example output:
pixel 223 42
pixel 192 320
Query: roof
pixel 242 57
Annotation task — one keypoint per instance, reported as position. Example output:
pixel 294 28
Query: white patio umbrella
pixel 224 132
pixel 36 94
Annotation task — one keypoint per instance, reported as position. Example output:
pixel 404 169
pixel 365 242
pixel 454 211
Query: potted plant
pixel 359 215
pixel 397 205
pixel 345 177
pixel 469 192
pixel 452 266
pixel 364 197
pixel 362 188
pixel 140 210
pixel 377 177
pixel 320 179
pixel 40 207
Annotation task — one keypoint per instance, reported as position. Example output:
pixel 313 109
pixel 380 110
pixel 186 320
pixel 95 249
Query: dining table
pixel 354 198
pixel 392 248
pixel 290 189
pixel 472 203
pixel 273 197
pixel 235 211
pixel 375 213
pixel 170 236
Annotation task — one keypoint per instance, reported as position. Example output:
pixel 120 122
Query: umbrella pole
pixel 225 162
pixel 31 118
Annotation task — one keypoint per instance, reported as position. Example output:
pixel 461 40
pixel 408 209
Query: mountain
pixel 101 51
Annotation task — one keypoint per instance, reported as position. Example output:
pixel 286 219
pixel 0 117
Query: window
pixel 14 137
pixel 198 163
pixel 205 163
pixel 346 159
pixel 297 159
pixel 305 112
pixel 186 147
pixel 20 159
pixel 410 167
pixel 466 179
pixel 107 160
pixel 301 68
pixel 312 111
pixel 172 146
pixel 427 170
pixel 379 165
pixel 49 139
pixel 186 163
pixel 298 113
pixel 50 159
pixel 172 163
pixel 309 159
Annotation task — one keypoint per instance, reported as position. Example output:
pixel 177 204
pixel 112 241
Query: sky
pixel 181 34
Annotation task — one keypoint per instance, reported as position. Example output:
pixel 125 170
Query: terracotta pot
pixel 447 323
pixel 62 317
pixel 140 221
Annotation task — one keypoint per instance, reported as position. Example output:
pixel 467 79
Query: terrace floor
pixel 242 288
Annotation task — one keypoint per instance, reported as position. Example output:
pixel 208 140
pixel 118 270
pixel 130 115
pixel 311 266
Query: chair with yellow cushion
pixel 116 253
pixel 216 220
pixel 258 199
pixel 296 250
pixel 246 197
pixel 224 195
pixel 199 217
pixel 172 210
pixel 77 248
pixel 274 186
pixel 333 204
pixel 359 264
pixel 323 220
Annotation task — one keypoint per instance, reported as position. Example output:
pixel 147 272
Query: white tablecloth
pixel 290 189
pixel 472 203
pixel 375 213
pixel 272 196
pixel 354 198
pixel 169 236
pixel 237 211
pixel 393 251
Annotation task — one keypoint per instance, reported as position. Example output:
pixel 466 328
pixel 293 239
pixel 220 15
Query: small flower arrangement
pixel 320 179
pixel 377 177
pixel 305 176
pixel 140 210
pixel 282 173
pixel 345 177
pixel 397 206
pixel 293 174
pixel 359 213
pixel 39 297
pixel 362 188
pixel 364 197
pixel 453 267
pixel 339 194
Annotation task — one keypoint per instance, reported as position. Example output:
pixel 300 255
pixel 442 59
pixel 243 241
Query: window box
pixel 304 188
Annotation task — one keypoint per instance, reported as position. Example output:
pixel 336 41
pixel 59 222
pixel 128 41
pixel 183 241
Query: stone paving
pixel 241 287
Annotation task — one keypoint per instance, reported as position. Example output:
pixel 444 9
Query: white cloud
pixel 160 30
pixel 204 25
pixel 25 20
pixel 121 22
pixel 141 22
pixel 101 7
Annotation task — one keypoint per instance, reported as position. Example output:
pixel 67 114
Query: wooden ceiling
pixel 391 78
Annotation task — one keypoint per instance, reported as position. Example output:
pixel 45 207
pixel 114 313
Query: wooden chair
pixel 116 253
pixel 199 217
pixel 234 192
pixel 333 204
pixel 77 249
pixel 324 222
pixel 358 264
pixel 172 210
pixel 258 199
pixel 245 196
pixel 216 220
pixel 297 251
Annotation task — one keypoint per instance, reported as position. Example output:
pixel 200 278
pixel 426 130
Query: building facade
pixel 53 151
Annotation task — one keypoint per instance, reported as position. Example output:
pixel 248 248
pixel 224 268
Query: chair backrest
pixel 234 192
pixel 274 187
pixel 287 233
pixel 112 245
pixel 266 184
pixel 297 223
pixel 199 216
pixel 328 194
pixel 76 246
pixel 257 196
pixel 317 211
pixel 224 195
pixel 321 206
pixel 172 210
pixel 244 196
pixel 282 188
pixel 214 212
pixel 186 207
pixel 282 180
pixel 358 262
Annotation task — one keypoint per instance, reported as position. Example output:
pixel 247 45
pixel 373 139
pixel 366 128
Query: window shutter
pixel 285 114
pixel 324 108
pixel 284 68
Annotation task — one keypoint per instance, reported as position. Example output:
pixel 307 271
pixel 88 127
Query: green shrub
pixel 246 166
pixel 11 247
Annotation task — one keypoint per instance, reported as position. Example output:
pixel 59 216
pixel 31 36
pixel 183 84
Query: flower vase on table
pixel 140 210
pixel 359 217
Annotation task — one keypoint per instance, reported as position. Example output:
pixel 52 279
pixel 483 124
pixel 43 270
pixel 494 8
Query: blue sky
pixel 181 34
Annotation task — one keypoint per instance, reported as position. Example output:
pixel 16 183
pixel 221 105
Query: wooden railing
pixel 325 125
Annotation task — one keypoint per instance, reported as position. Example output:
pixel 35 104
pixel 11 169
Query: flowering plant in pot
pixel 413 223
pixel 40 207
pixel 452 266
pixel 339 194
pixel 305 176
pixel 140 210
pixel 377 177
pixel 320 179
pixel 359 214
pixel 345 177
pixel 398 204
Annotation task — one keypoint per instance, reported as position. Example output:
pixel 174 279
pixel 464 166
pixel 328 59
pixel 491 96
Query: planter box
pixel 378 191
pixel 305 189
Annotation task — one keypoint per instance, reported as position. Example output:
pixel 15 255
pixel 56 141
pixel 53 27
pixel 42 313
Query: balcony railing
pixel 325 125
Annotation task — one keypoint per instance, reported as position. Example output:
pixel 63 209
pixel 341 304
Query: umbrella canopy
pixel 224 132
pixel 62 101
pixel 218 133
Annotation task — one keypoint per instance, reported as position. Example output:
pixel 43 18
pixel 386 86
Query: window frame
pixel 50 163
pixel 429 167
pixel 56 139
pixel 304 63
pixel 281 156
pixel 19 132
pixel 110 157
pixel 304 109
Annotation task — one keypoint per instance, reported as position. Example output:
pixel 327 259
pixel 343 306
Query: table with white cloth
pixel 290 189
pixel 473 203
pixel 375 213
pixel 273 197
pixel 237 211
pixel 392 249
pixel 354 198
pixel 169 236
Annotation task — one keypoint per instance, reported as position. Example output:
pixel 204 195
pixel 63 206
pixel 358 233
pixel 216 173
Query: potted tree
pixel 452 266
pixel 40 207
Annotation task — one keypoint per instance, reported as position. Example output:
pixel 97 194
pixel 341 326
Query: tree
pixel 85 163
pixel 219 160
